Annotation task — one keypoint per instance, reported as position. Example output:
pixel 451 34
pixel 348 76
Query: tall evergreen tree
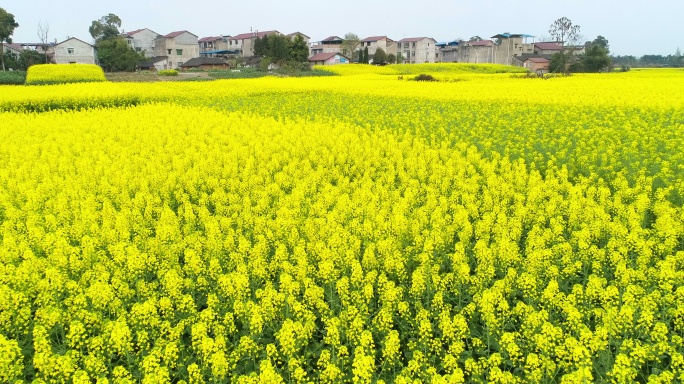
pixel 299 51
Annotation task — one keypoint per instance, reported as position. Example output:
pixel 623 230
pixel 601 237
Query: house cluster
pixel 185 50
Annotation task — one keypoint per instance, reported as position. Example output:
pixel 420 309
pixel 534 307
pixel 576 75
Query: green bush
pixel 424 77
pixel 168 72
pixel 12 77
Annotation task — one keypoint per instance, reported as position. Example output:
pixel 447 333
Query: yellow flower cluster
pixel 284 236
pixel 62 74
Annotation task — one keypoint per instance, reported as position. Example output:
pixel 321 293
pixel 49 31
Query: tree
pixel 115 55
pixel 601 42
pixel 559 62
pixel 278 48
pixel 565 32
pixel 474 38
pixel 261 46
pixel 400 58
pixel 11 60
pixel 349 44
pixel 391 58
pixel 379 57
pixel 113 51
pixel 7 27
pixel 43 36
pixel 299 51
pixel 29 57
pixel 366 59
pixel 595 59
pixel 105 28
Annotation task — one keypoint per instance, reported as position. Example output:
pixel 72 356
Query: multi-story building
pixel 216 46
pixel 331 44
pixel 142 40
pixel 508 45
pixel 476 52
pixel 374 42
pixel 179 47
pixel 416 50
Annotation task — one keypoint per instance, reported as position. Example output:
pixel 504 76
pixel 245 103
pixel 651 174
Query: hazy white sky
pixel 635 27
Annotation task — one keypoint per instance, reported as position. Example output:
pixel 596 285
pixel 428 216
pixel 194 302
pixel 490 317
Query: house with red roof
pixel 142 40
pixel 179 47
pixel 537 65
pixel 329 58
pixel 416 50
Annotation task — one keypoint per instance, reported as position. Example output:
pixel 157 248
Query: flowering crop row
pixel 62 74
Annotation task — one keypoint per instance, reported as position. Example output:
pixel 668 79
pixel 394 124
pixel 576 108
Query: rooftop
pixel 413 39
pixel 250 35
pixel 373 39
pixel 325 56
pixel 176 34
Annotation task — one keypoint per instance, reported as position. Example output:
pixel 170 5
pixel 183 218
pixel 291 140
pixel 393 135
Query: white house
pixel 142 40
pixel 179 47
pixel 415 50
pixel 74 51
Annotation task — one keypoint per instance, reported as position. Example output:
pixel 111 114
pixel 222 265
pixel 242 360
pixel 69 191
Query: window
pixel 138 49
pixel 180 63
pixel 169 51
pixel 179 52
pixel 70 51
pixel 413 45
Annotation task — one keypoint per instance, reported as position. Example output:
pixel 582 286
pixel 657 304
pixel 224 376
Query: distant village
pixel 184 50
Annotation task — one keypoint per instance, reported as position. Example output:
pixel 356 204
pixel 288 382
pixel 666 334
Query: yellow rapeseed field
pixel 358 228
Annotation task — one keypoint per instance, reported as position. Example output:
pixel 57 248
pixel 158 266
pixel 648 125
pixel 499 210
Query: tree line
pixel 649 61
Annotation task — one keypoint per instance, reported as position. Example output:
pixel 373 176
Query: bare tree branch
pixel 43 36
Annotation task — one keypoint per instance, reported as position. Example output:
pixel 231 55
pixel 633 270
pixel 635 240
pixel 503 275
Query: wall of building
pixel 143 42
pixel 74 51
pixel 178 49
pixel 477 54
